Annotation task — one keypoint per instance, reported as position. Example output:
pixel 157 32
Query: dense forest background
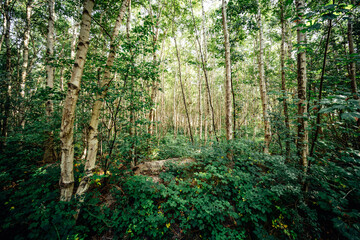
pixel 179 119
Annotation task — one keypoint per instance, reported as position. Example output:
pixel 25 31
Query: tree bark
pixel 228 92
pixel 263 91
pixel 49 154
pixel 302 143
pixel 68 117
pixel 283 81
pixel 94 121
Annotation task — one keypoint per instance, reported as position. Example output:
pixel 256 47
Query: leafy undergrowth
pixel 252 196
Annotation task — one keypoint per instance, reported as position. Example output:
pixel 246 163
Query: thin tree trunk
pixel 94 121
pixel 182 90
pixel 154 89
pixel 6 87
pixel 132 112
pixel 75 29
pixel 204 66
pixel 26 48
pixel 4 24
pixel 174 108
pixel 263 91
pixel 200 105
pixel 302 143
pixel 228 92
pixel 318 116
pixel 352 52
pixel 283 82
pixel 68 117
pixel 49 154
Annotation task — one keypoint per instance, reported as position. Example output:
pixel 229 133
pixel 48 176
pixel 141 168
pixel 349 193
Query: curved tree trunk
pixel 94 121
pixel 67 122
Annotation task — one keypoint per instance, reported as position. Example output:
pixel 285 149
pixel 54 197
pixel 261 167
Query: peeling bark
pixel 95 114
pixel 67 122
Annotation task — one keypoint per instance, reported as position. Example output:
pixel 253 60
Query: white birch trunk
pixel 94 121
pixel 67 122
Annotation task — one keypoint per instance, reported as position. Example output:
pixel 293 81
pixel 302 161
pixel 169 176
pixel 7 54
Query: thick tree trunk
pixel 94 121
pixel 302 143
pixel 263 91
pixel 228 92
pixel 283 82
pixel 182 90
pixel 67 122
pixel 49 154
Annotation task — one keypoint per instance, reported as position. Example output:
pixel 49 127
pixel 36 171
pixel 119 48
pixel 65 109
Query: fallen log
pixel 154 168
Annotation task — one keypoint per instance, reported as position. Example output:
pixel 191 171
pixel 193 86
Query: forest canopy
pixel 179 119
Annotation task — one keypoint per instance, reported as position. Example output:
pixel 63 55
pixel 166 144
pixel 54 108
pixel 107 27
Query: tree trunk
pixel 94 121
pixel 182 90
pixel 26 48
pixel 352 52
pixel 263 91
pixel 204 66
pixel 6 87
pixel 154 89
pixel 228 92
pixel 4 24
pixel 318 116
pixel 68 117
pixel 283 82
pixel 302 143
pixel 200 105
pixel 49 154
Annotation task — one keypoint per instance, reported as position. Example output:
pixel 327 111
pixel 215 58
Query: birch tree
pixel 96 109
pixel 68 117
